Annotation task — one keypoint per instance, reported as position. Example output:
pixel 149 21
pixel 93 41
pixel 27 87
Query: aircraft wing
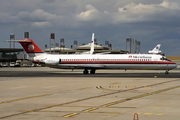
pixel 77 66
pixel 88 66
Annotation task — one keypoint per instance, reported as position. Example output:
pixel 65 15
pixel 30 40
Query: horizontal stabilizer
pixel 16 41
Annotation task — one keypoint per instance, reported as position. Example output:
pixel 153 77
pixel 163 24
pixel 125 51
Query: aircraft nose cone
pixel 175 65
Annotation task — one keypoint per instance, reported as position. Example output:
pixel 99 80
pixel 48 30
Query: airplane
pixel 94 62
pixel 155 50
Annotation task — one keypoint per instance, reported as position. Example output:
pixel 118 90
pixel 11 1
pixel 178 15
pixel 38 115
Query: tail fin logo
pixel 157 47
pixel 31 48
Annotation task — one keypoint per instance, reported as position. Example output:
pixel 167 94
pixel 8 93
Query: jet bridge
pixel 12 55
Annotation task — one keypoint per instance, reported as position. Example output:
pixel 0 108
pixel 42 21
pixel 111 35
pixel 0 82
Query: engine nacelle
pixel 44 60
pixel 51 61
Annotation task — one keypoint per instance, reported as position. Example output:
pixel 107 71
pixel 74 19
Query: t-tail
pixel 30 47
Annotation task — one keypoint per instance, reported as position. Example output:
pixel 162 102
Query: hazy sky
pixel 150 21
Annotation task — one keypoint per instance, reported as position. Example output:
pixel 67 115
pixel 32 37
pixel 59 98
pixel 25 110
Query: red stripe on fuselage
pixel 117 62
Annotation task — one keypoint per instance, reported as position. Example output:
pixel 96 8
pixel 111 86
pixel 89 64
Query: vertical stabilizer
pixel 30 47
pixel 92 44
pixel 155 50
pixel 157 47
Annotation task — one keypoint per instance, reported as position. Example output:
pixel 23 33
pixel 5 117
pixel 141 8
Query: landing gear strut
pixel 85 71
pixel 167 72
pixel 93 71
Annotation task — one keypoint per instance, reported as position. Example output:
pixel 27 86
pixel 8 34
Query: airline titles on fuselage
pixel 143 57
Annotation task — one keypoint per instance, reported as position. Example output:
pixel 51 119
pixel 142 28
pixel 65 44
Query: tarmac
pixel 41 93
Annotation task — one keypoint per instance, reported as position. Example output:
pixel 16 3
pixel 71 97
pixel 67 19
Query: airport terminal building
pixel 12 55
pixel 84 48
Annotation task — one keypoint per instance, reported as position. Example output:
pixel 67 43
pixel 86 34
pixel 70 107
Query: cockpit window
pixel 164 58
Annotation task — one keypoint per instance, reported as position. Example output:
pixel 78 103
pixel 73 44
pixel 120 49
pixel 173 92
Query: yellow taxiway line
pixel 83 88
pixel 91 110
pixel 24 98
pixel 139 96
pixel 69 115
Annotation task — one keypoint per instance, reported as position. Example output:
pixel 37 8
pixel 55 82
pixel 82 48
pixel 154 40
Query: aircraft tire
pixel 85 71
pixel 93 71
pixel 167 72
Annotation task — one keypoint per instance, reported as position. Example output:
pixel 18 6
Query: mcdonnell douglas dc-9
pixel 93 62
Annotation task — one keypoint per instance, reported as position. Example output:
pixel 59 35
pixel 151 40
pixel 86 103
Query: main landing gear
pixel 92 71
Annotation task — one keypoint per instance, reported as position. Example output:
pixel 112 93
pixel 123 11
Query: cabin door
pixel 59 61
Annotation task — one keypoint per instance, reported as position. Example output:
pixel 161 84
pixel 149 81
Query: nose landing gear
pixel 167 72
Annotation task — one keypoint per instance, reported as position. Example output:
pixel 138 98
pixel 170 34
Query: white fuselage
pixel 107 61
